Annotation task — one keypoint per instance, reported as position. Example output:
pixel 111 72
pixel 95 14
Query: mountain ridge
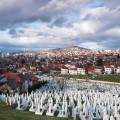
pixel 66 51
pixel 69 47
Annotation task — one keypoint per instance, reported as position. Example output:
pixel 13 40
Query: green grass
pixel 109 78
pixel 7 113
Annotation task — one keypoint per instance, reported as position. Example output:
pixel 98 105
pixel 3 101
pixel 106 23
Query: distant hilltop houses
pixel 6 54
pixel 73 51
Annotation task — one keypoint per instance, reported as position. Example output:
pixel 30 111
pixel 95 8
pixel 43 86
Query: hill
pixel 68 51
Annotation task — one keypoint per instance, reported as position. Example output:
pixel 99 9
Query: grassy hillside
pixel 7 113
pixel 109 78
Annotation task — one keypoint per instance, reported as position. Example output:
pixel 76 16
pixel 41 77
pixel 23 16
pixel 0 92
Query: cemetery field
pixel 7 113
pixel 109 78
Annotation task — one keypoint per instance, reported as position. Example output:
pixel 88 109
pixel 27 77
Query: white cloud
pixel 92 45
pixel 55 35
pixel 7 3
pixel 113 31
pixel 89 23
pixel 86 27
pixel 63 4
pixel 97 12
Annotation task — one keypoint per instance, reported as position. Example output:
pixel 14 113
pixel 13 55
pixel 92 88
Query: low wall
pixel 98 81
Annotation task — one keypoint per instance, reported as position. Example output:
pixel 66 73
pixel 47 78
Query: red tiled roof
pixel 90 68
pixel 12 76
pixel 64 67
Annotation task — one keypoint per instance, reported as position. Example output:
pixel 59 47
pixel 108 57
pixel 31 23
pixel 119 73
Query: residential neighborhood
pixel 21 70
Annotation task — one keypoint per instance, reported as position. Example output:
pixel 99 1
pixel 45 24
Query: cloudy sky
pixel 44 24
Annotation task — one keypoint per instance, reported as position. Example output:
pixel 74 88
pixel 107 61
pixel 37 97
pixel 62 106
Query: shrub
pixel 37 86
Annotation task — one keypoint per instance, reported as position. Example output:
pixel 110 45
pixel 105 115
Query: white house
pixel 64 71
pixel 98 70
pixel 73 71
pixel 81 71
pixel 69 66
pixel 118 70
pixel 108 70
